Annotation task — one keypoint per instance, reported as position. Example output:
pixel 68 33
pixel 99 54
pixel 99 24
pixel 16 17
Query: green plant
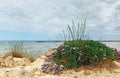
pixel 77 50
pixel 73 32
pixel 82 52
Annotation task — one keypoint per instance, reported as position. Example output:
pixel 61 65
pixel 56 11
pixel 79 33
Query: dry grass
pixel 18 50
pixel 18 54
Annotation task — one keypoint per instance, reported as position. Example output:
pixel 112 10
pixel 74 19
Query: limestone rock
pixel 21 61
pixel 9 61
pixel 42 56
pixel 6 54
pixel 116 63
pixel 2 62
pixel 38 62
pixel 51 50
pixel 9 58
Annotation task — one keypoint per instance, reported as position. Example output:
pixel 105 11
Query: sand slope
pixel 34 71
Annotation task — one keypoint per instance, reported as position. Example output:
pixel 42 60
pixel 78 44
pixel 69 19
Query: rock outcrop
pixel 21 61
pixel 51 50
pixel 13 59
pixel 6 54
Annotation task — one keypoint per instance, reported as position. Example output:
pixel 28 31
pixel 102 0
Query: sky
pixel 44 19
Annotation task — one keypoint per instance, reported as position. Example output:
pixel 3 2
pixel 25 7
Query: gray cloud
pixel 53 16
pixel 14 13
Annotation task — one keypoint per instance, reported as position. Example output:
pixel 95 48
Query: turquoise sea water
pixel 41 47
pixel 29 46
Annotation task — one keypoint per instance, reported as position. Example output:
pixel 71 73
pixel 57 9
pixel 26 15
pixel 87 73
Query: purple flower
pixel 55 66
pixel 61 67
pixel 46 59
pixel 49 69
pixel 114 49
pixel 51 55
pixel 55 71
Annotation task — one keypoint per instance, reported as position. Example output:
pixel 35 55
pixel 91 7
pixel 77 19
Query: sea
pixel 30 47
pixel 40 47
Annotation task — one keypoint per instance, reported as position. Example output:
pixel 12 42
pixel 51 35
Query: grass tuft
pixel 73 32
pixel 18 50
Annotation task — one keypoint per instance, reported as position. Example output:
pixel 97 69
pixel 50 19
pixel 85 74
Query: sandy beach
pixel 109 69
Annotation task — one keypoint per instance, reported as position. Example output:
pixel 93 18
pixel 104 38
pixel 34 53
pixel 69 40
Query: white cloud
pixel 51 16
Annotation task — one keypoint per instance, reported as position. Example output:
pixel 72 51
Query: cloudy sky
pixel 44 19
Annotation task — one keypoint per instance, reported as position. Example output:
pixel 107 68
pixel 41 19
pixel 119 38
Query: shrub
pixel 74 53
pixel 78 50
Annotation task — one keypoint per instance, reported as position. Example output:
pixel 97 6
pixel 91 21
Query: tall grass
pixel 16 46
pixel 19 46
pixel 73 32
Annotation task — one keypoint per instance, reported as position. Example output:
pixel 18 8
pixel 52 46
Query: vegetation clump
pixel 50 67
pixel 18 50
pixel 82 52
pixel 77 49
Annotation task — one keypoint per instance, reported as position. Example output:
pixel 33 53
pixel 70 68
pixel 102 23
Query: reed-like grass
pixel 18 48
pixel 74 32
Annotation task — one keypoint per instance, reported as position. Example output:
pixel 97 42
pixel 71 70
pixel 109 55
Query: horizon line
pixel 59 40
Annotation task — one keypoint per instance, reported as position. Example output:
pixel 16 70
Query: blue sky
pixel 44 19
